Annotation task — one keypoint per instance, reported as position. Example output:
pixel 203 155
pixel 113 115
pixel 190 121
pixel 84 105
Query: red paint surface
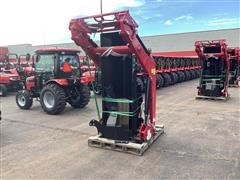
pixel 191 54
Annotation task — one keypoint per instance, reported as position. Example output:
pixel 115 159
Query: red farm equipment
pixel 125 125
pixel 215 69
pixel 57 80
pixel 24 66
pixel 175 69
pixel 4 51
pixel 234 59
pixel 9 77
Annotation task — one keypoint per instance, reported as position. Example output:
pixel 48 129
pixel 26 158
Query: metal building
pixel 158 43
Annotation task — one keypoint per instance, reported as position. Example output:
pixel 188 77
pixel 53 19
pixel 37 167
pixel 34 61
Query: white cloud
pixel 223 21
pixel 179 18
pixel 184 17
pixel 40 21
pixel 168 22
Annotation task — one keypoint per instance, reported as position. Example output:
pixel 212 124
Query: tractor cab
pixel 55 64
pixel 58 63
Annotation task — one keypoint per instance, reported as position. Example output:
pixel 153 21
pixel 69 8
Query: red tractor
pixel 9 78
pixel 57 80
pixel 234 58
pixel 215 69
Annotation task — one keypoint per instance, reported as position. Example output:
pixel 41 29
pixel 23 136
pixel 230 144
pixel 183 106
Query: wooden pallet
pixel 234 85
pixel 130 147
pixel 222 98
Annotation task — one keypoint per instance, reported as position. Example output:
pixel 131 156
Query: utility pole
pixel 101 6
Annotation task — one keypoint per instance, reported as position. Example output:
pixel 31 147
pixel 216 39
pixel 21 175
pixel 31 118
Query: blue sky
pixel 177 16
pixel 47 21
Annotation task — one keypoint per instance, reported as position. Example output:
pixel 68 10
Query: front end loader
pixel 128 120
pixel 215 69
pixel 234 70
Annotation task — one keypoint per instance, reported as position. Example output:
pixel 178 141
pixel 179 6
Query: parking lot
pixel 201 140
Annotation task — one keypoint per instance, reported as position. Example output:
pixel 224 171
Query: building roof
pixel 54 49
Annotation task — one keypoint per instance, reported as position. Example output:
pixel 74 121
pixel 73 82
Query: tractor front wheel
pixel 24 100
pixel 3 90
pixel 53 99
pixel 83 99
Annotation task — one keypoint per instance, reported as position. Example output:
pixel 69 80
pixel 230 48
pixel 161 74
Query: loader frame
pixel 234 59
pixel 124 24
pixel 216 49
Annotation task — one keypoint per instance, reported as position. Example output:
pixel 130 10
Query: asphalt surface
pixel 201 140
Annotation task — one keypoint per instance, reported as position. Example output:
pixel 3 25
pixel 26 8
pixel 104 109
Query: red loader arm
pixel 82 28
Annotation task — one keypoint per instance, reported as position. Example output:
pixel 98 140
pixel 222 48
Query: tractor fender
pixel 61 82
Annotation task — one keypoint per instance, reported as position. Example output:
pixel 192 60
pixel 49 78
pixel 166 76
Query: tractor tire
pixel 163 63
pixel 177 77
pixel 174 77
pixel 187 75
pixel 3 90
pixel 171 78
pixel 183 77
pixel 160 81
pixel 192 74
pixel 180 78
pixel 167 79
pixel 24 100
pixel 197 72
pixel 53 99
pixel 83 98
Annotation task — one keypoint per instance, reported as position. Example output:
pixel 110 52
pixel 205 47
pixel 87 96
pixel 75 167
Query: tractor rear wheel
pixel 174 77
pixel 3 90
pixel 24 100
pixel 167 79
pixel 179 76
pixel 193 76
pixel 160 81
pixel 171 82
pixel 53 99
pixel 187 74
pixel 197 71
pixel 83 99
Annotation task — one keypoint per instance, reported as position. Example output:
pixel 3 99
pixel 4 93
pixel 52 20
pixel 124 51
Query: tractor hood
pixel 8 75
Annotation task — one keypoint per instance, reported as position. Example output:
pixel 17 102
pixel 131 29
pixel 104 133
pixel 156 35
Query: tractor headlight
pixel 12 79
